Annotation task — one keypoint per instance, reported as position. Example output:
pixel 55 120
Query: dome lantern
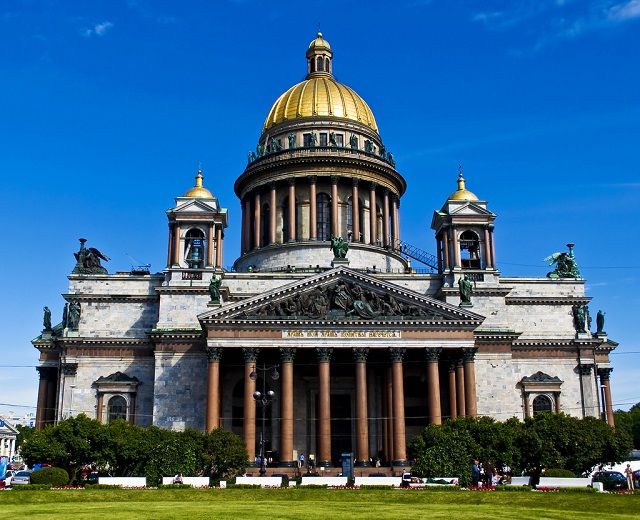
pixel 199 191
pixel 319 55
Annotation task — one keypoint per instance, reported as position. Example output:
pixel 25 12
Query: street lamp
pixel 264 399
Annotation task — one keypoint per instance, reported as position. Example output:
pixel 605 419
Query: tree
pixel 630 422
pixel 224 454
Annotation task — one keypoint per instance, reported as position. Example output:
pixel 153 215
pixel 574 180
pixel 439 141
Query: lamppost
pixel 264 399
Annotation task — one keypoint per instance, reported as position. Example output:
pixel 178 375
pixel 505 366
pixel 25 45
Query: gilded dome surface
pixel 462 193
pixel 199 191
pixel 320 96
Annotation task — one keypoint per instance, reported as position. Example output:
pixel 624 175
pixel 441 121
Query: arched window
pixel 117 408
pixel 326 65
pixel 323 217
pixel 319 64
pixel 266 225
pixel 194 249
pixel 470 250
pixel 542 403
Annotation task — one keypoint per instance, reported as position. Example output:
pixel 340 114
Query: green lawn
pixel 307 504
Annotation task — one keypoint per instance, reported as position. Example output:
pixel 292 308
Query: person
pixel 475 473
pixel 301 460
pixel 629 474
pixel 490 471
pixel 534 476
pixel 178 479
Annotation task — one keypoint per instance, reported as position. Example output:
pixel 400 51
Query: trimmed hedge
pixel 31 487
pixel 558 473
pixel 52 476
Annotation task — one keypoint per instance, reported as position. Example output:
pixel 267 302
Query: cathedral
pixel 330 334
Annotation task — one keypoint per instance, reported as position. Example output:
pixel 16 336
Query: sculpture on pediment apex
pixel 565 265
pixel 88 260
pixel 339 248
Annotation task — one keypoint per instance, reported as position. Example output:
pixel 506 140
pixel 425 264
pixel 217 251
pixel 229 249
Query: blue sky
pixel 107 107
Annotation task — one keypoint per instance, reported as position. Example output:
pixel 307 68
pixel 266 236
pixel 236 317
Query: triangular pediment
pixel 342 296
pixel 470 209
pixel 196 206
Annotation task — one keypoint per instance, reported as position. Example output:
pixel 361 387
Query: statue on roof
pixel 353 141
pixel 88 260
pixel 580 318
pixel 73 317
pixel 339 248
pixel 465 287
pixel 46 320
pixel 600 322
pixel 566 266
pixel 214 288
pixel 292 140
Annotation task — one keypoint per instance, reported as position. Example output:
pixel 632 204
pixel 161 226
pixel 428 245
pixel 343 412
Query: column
pixel 176 245
pixel 445 249
pixel 219 245
pixel 355 207
pixel 394 223
pixel 556 398
pixel 433 386
pixel 313 206
pixel 399 437
pixel 257 220
pixel 453 408
pixel 250 357
pixel 169 246
pixel 362 419
pixel 487 248
pixel 210 247
pixel 243 232
pixel 385 218
pixel 388 432
pixel 132 408
pixel 471 405
pixel 286 408
pixel 373 216
pixel 493 249
pixel 99 407
pixel 42 397
pixel 272 213
pixel 460 388
pixel 439 254
pixel 324 406
pixel 52 390
pixel 334 206
pixel 526 405
pixel 456 248
pixel 214 355
pixel 605 381
pixel 292 210
pixel 246 231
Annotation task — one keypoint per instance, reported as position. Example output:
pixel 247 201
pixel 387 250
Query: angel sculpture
pixel 339 248
pixel 566 266
pixel 88 260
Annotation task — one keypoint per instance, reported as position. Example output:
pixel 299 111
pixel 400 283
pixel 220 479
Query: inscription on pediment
pixel 344 300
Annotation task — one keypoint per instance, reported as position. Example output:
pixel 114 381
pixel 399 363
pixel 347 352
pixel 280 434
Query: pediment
pixel 342 296
pixel 196 206
pixel 470 209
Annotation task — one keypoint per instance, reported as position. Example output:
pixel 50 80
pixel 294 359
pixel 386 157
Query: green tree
pixel 630 422
pixel 224 454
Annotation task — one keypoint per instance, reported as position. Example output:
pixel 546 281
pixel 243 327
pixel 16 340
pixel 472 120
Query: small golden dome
pixel 462 193
pixel 319 42
pixel 320 96
pixel 199 191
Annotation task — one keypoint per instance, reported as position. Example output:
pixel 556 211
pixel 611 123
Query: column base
pixel 361 464
pixel 400 463
pixel 324 464
pixel 288 464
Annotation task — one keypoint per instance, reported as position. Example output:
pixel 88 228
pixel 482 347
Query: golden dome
pixel 320 95
pixel 462 193
pixel 319 42
pixel 199 191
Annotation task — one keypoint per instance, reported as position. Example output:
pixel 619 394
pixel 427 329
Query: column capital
pixel 291 181
pixel 324 354
pixel 355 181
pixel 397 354
pixel 287 354
pixel 272 185
pixel 313 179
pixel 452 364
pixel 432 354
pixel 334 179
pixel 605 373
pixel 585 370
pixel 469 354
pixel 214 354
pixel 250 354
pixel 69 369
pixel 360 354
pixel 373 186
pixel 45 372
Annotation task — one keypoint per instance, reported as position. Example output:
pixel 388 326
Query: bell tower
pixel 196 232
pixel 464 236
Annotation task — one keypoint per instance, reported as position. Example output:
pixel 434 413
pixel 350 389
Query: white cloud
pixel 625 11
pixel 99 29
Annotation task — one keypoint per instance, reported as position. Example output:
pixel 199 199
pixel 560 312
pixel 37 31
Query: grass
pixel 308 504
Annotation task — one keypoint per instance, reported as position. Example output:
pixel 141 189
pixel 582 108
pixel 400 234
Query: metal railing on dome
pixel 308 151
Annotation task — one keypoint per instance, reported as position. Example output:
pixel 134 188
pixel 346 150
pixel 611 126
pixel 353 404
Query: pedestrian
pixel 301 460
pixel 534 476
pixel 178 479
pixel 475 473
pixel 629 474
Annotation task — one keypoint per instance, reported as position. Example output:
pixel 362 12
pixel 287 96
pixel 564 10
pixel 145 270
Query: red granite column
pixel 272 213
pixel 313 206
pixel 176 245
pixel 445 250
pixel 324 406
pixel 605 381
pixel 292 210
pixel 456 248
pixel 355 208
pixel 219 246
pixel 453 409
pixel 385 218
pixel 286 408
pixel 399 435
pixel 170 246
pixel 334 206
pixel 210 247
pixel 362 419
pixel 433 386
pixel 373 215
pixel 487 249
pixel 388 415
pixel 214 356
pixel 250 357
pixel 493 249
pixel 471 404
pixel 460 389
pixel 42 398
pixel 257 220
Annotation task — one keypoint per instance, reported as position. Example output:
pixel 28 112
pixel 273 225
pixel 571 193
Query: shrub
pixel 175 486
pixel 513 488
pixel 577 490
pixel 53 476
pixel 31 487
pixel 102 486
pixel 558 473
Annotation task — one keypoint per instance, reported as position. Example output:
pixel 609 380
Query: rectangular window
pixel 306 140
pixel 323 139
pixel 339 140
